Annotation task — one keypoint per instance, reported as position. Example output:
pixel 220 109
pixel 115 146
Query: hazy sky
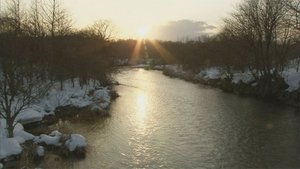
pixel 157 16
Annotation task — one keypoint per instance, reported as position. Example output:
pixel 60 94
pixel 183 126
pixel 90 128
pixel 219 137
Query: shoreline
pixel 290 98
pixel 72 103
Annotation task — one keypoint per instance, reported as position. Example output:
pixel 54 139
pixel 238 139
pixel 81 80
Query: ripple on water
pixel 159 122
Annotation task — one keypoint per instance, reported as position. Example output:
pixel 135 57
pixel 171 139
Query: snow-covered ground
pixel 292 78
pixel 210 73
pixel 11 146
pixel 76 96
pixel 98 98
pixel 140 66
pixel 290 75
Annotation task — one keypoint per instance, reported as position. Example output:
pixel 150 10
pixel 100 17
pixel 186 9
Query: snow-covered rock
pixel 55 133
pixel 9 147
pixel 30 115
pixel 40 151
pixel 51 139
pixel 75 141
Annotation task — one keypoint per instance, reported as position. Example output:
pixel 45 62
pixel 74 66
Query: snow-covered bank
pixel 93 96
pixel 11 146
pixel 243 82
pixel 292 78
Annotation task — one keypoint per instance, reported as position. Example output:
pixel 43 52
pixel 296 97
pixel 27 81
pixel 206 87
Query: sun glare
pixel 142 31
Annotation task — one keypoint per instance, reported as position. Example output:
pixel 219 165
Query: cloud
pixel 182 29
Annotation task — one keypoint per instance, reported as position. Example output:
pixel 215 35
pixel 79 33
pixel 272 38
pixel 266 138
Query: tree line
pixel 39 46
pixel 261 36
pixel 42 37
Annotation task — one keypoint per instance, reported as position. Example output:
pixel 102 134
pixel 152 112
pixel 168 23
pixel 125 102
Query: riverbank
pixel 74 100
pixel 285 89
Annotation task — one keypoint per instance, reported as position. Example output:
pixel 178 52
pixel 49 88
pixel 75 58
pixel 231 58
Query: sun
pixel 142 31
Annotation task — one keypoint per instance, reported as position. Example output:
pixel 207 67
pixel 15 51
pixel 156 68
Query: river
pixel 160 122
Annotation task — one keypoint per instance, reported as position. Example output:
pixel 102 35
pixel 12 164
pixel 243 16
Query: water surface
pixel 160 122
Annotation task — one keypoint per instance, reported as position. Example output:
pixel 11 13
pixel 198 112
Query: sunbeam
pixel 136 52
pixel 165 54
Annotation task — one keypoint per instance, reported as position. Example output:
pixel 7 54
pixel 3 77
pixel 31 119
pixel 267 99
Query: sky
pixel 159 19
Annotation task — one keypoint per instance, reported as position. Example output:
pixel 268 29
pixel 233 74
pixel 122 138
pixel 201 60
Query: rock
pixel 75 141
pixel 40 151
pixel 1 165
pixel 53 139
pixel 75 146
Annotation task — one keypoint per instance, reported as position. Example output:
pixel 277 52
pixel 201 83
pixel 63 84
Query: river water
pixel 160 122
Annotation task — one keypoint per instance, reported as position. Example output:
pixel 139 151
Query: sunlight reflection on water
pixel 159 122
pixel 141 103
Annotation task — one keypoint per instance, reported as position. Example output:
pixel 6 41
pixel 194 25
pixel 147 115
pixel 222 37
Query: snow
pixel 177 69
pixel 40 151
pixel 19 134
pixel 245 77
pixel 292 78
pixel 102 95
pixel 9 147
pixel 139 66
pixel 51 139
pixel 30 116
pixel 159 67
pixel 75 141
pixel 211 73
pixel 76 96
pixel 23 136
pixel 290 75
pixel 55 133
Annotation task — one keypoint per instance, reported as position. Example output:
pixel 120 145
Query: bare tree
pixel 57 19
pixel 102 29
pixel 18 90
pixel 262 24
pixel 36 20
pixel 294 11
pixel 16 14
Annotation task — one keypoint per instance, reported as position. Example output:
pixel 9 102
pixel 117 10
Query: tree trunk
pixel 10 127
